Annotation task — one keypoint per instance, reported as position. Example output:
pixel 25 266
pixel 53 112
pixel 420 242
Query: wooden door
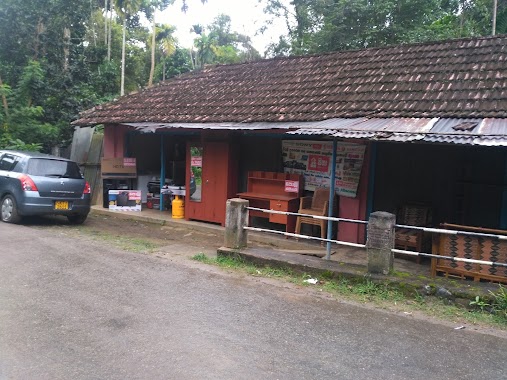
pixel 209 199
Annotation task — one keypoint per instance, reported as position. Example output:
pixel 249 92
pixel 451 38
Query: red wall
pixel 355 208
pixel 114 140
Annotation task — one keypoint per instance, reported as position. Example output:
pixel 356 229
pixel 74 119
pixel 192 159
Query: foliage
pixel 499 301
pixel 6 142
pixel 59 57
pixel 315 26
pixel 218 44
pixel 480 303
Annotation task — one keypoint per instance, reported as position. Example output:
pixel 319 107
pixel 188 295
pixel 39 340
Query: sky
pixel 247 18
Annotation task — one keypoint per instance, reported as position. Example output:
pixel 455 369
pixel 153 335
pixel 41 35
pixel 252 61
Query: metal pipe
pixel 451 258
pixel 307 215
pixel 162 171
pixel 304 237
pixel 331 200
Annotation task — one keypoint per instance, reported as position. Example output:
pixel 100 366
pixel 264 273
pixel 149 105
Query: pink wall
pixel 114 140
pixel 355 208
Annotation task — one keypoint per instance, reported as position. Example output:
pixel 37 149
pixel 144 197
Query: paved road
pixel 73 309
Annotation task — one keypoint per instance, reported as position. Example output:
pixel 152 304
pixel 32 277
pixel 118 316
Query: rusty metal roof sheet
pixel 486 132
pixel 149 127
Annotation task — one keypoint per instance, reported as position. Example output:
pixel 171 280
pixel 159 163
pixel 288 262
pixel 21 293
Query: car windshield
pixel 53 168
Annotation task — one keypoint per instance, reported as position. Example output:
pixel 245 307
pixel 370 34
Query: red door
pixel 209 164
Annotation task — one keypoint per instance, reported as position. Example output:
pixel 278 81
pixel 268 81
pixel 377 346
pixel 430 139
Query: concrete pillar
pixel 380 241
pixel 236 217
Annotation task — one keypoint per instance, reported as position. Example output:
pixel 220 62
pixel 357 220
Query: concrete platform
pixel 307 257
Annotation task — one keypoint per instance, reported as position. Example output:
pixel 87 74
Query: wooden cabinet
pixel 291 205
pixel 274 191
pixel 218 181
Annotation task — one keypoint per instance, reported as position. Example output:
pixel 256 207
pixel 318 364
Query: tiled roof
pixel 456 78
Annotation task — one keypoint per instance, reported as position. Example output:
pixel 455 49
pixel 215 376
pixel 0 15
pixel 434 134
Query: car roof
pixel 29 154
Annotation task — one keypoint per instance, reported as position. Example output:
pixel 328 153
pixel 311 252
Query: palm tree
pixel 160 5
pixel 125 9
pixel 166 43
pixel 154 6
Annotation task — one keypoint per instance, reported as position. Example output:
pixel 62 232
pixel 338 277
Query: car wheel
pixel 77 219
pixel 9 210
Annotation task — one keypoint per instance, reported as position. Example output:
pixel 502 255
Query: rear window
pixel 53 168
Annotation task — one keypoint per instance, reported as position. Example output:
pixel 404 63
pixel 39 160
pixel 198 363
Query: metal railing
pixel 394 250
pixel 456 233
pixel 299 236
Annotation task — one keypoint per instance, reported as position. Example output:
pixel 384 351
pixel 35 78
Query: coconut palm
pixel 154 6
pixel 125 9
pixel 166 42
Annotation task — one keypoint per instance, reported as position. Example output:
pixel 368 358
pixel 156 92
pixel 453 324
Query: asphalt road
pixel 72 308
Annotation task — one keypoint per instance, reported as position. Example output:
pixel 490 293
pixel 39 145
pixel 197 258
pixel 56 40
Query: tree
pixel 175 64
pixel 167 45
pixel 154 6
pixel 221 45
pixel 126 9
pixel 327 25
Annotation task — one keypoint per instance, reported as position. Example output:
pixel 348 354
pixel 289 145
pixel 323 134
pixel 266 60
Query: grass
pixel 384 295
pixel 124 242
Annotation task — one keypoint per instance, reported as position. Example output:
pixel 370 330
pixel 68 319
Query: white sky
pixel 247 18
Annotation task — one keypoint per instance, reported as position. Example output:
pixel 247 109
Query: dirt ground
pixel 156 234
pixel 139 236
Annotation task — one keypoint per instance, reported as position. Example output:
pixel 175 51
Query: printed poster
pixel 313 160
pixel 125 200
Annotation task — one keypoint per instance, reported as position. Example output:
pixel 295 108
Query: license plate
pixel 61 205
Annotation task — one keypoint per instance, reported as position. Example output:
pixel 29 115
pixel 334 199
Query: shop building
pixel 422 123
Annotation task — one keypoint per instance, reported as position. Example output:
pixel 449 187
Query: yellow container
pixel 178 208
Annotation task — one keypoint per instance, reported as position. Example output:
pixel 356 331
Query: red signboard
pixel 129 162
pixel 291 186
pixel 196 161
pixel 319 163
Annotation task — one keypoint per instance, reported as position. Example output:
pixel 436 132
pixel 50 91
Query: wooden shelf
pixel 266 190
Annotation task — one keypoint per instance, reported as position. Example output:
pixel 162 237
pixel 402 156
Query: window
pixel 7 162
pixel 53 168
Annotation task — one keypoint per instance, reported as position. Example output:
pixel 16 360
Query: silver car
pixel 40 184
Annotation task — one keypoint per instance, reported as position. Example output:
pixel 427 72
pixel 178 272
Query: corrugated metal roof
pixel 467 140
pixel 486 132
pixel 149 127
pixel 446 126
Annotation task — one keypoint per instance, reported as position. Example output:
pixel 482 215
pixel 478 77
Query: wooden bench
pixel 470 247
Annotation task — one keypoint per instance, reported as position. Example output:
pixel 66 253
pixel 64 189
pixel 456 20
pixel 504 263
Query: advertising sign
pixel 291 186
pixel 313 160
pixel 125 200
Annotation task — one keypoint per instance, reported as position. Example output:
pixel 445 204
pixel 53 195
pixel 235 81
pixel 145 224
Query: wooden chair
pixel 410 239
pixel 317 205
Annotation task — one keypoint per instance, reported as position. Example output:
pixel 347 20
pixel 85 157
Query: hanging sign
pixel 313 160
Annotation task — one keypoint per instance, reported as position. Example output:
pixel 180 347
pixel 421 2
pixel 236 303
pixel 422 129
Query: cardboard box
pixel 124 167
pixel 125 200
